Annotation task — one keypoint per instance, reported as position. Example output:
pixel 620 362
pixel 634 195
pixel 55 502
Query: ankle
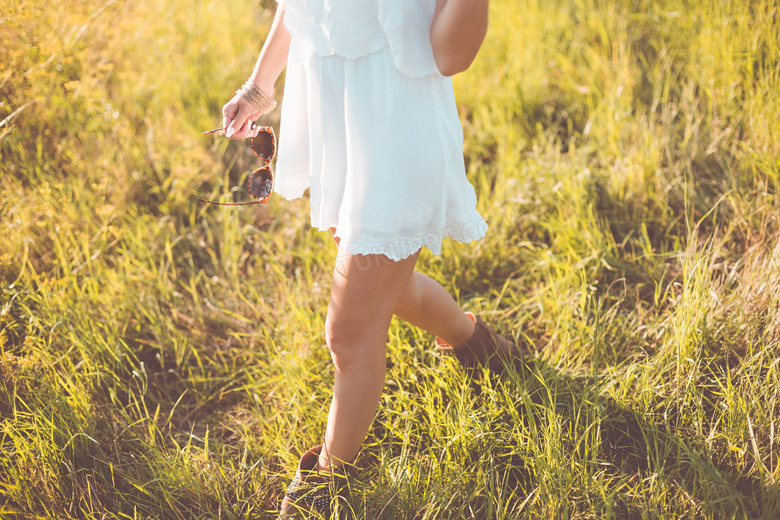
pixel 323 468
pixel 328 465
pixel 471 327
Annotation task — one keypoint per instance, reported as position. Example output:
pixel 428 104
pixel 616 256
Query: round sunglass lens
pixel 261 182
pixel 264 144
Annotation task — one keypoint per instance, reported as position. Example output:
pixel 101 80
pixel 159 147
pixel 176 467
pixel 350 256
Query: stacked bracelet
pixel 256 97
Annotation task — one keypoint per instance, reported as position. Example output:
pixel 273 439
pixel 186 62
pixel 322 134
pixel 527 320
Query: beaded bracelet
pixel 261 101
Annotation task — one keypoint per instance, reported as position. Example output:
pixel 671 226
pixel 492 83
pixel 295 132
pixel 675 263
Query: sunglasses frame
pixel 266 183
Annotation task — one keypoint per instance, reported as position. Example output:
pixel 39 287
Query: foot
pixel 309 494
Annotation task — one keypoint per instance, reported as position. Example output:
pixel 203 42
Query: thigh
pixel 364 293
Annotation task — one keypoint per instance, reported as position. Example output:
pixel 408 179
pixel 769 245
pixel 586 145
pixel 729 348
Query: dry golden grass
pixel 162 359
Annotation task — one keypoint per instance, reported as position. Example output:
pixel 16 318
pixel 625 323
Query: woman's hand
pixel 238 115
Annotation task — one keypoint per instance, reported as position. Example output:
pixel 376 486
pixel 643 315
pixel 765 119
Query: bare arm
pixel 273 57
pixel 238 114
pixel 457 32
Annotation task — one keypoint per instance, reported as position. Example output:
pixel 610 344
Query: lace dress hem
pixel 402 247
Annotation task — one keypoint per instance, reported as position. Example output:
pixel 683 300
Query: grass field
pixel 162 359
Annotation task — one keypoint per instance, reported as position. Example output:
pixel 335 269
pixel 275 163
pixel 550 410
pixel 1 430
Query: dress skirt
pixel 381 151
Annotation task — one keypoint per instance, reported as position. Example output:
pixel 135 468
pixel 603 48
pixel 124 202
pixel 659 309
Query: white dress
pixel 371 127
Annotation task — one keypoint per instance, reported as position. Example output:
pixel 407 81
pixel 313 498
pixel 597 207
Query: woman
pixel 370 125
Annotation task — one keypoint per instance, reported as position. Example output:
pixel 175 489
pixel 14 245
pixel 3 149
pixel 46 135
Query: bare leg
pixel 364 293
pixel 428 305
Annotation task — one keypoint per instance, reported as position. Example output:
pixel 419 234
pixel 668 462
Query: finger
pixel 250 127
pixel 229 112
pixel 239 122
pixel 243 131
pixel 255 129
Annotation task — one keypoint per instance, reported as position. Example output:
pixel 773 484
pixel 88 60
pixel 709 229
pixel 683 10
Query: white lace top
pixel 355 28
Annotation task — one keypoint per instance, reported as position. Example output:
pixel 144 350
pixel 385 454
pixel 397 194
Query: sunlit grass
pixel 164 359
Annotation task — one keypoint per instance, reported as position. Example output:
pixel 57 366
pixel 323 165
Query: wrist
pixel 263 84
pixel 261 100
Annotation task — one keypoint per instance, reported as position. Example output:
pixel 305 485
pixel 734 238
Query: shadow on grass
pixel 602 457
pixel 642 453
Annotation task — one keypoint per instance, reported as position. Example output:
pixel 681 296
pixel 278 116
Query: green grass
pixel 163 359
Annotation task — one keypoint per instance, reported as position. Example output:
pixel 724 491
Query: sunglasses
pixel 261 181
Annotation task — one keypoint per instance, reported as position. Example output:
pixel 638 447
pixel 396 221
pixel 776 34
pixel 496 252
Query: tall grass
pixel 161 359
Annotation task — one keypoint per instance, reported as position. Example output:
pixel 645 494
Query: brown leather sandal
pixel 484 348
pixel 311 492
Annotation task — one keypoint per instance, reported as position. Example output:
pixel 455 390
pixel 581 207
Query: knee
pixel 344 347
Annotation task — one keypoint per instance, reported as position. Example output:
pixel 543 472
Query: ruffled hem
pixel 403 247
pixel 292 190
pixel 381 152
pixel 463 229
